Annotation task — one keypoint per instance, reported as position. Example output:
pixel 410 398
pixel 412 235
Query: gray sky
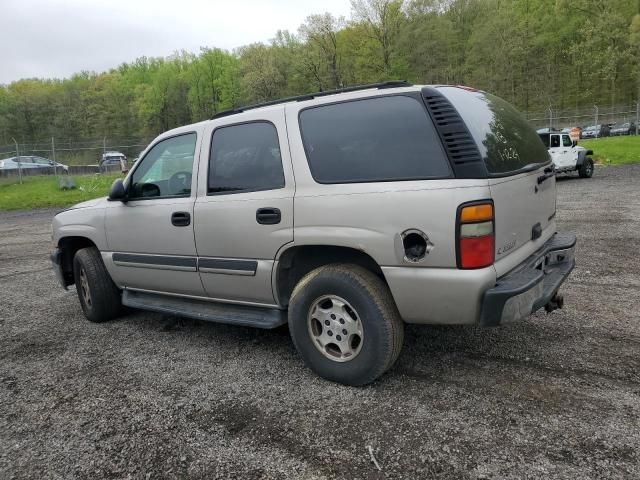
pixel 55 38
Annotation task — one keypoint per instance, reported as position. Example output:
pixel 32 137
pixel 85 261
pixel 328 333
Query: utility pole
pixel 637 107
pixel 550 118
pixel 596 122
pixel 18 159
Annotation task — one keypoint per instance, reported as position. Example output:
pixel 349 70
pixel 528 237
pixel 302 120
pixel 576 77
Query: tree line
pixel 533 53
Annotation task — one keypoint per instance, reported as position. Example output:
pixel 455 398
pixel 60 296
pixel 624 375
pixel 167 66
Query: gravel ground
pixel 148 396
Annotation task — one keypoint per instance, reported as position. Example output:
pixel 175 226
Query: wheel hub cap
pixel 84 287
pixel 335 328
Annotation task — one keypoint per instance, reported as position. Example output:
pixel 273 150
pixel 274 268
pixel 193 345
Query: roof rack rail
pixel 310 96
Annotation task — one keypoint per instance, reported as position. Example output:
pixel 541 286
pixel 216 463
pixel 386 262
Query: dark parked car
pixel 628 128
pixel 595 131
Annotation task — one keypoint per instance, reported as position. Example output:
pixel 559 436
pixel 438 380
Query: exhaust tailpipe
pixel 556 302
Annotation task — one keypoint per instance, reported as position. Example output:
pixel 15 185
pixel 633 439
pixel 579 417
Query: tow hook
pixel 556 302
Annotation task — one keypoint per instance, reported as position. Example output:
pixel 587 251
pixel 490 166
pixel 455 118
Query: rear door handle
pixel 268 216
pixel 181 219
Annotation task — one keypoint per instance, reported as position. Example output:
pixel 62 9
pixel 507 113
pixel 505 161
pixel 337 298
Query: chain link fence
pixel 73 152
pixel 557 118
pixel 80 156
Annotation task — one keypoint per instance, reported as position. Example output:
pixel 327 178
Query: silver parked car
pixel 112 158
pixel 345 214
pixel 30 162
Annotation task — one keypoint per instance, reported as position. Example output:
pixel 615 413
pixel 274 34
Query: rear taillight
pixel 475 234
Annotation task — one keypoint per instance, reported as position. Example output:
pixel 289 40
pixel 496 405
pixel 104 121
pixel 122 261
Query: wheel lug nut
pixel 344 332
pixel 338 337
pixel 333 317
pixel 327 322
pixel 330 333
pixel 342 321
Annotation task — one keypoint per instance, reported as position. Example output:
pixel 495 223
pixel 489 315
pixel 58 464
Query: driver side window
pixel 166 170
pixel 555 141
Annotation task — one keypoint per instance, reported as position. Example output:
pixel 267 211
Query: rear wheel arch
pixel 69 246
pixel 295 262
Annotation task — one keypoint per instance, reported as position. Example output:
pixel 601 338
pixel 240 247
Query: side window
pixel 545 140
pixel 555 141
pixel 566 141
pixel 165 171
pixel 245 158
pixel 376 139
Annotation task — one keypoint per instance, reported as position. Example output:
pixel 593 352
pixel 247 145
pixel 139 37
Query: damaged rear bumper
pixel 531 285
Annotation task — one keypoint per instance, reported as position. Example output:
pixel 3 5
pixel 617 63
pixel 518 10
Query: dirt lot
pixel 149 396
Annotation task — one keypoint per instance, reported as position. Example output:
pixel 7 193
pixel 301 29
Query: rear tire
pixel 99 297
pixel 586 169
pixel 345 324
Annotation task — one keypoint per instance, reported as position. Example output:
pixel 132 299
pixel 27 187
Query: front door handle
pixel 268 216
pixel 181 219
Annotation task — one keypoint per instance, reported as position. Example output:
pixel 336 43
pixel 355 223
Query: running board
pixel 241 315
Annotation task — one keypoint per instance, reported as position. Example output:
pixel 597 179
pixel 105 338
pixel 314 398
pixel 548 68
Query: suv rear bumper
pixel 532 284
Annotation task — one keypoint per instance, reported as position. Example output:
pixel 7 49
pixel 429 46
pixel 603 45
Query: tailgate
pixel 524 216
pixel 519 171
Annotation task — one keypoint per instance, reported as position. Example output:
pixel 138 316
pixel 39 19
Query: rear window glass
pixel 371 140
pixel 507 142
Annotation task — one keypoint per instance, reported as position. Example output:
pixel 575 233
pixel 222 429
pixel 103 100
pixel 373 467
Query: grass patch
pixel 43 191
pixel 614 150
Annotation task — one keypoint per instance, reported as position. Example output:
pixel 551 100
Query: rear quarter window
pixel 506 140
pixel 371 140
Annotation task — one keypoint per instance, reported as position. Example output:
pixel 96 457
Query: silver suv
pixel 345 214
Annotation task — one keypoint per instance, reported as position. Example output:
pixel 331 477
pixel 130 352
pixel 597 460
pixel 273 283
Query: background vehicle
pixel 413 204
pixel 30 162
pixel 595 131
pixel 113 158
pixel 628 128
pixel 566 155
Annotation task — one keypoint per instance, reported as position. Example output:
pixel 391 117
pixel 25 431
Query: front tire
pixel 345 324
pixel 586 169
pixel 99 297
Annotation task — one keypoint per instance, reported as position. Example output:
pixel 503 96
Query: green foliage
pixel 44 191
pixel 614 150
pixel 533 53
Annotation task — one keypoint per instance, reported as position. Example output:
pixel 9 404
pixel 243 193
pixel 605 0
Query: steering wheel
pixel 179 183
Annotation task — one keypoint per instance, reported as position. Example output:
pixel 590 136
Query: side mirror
pixel 117 192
